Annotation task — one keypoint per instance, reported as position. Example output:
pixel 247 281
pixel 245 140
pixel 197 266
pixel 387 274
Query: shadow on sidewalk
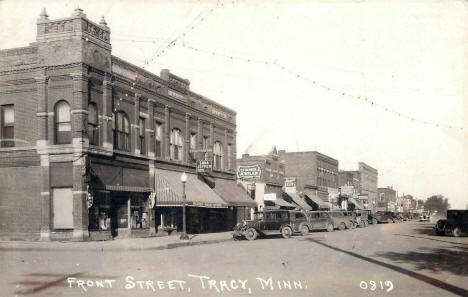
pixel 427 279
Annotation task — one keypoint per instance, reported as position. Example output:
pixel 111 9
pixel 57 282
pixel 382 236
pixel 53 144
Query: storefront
pixel 206 211
pixel 312 196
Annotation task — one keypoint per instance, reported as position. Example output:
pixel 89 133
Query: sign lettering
pixel 204 165
pixel 249 171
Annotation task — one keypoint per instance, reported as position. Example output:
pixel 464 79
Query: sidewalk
pixel 127 244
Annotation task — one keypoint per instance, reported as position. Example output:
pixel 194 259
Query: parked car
pixel 320 220
pixel 340 221
pixel 371 217
pixel 352 218
pixel 398 217
pixel 456 223
pixel 362 218
pixel 268 222
pixel 384 217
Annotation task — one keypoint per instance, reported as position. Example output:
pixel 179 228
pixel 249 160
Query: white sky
pixel 410 56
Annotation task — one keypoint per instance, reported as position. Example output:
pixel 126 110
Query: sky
pixel 274 62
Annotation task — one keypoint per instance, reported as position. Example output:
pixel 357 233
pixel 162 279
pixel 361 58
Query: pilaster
pixel 45 198
pixel 187 138
pixel 42 110
pixel 80 193
pixel 149 135
pixel 106 113
pixel 135 137
pixel 167 132
pixel 79 108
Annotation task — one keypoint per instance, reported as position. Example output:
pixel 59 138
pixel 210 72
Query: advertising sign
pixel 204 165
pixel 290 182
pixel 249 171
pixel 269 196
pixel 347 190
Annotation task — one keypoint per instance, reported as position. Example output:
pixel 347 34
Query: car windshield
pixel 258 216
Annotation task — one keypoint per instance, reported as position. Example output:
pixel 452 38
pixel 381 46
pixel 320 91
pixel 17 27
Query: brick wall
pixel 20 202
pixel 303 165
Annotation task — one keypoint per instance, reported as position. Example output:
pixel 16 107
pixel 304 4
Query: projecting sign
pixel 347 190
pixel 249 171
pixel 290 182
pixel 204 165
pixel 269 197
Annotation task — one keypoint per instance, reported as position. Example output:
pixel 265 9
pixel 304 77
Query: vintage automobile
pixel 424 217
pixel 340 221
pixel 384 217
pixel 269 222
pixel 352 218
pixel 362 218
pixel 371 217
pixel 320 220
pixel 456 223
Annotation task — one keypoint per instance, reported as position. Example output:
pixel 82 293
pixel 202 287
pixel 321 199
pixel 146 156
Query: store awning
pixel 298 200
pixel 233 194
pixel 356 204
pixel 198 194
pixel 281 202
pixel 123 188
pixel 312 196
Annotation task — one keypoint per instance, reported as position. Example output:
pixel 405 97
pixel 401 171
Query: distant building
pixel 387 199
pixel 263 178
pixel 316 175
pixel 364 180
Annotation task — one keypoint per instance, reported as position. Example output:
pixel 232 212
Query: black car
pixel 320 220
pixel 284 222
pixel 456 223
pixel 385 217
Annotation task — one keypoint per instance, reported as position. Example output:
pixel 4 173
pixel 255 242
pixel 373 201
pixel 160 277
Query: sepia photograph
pixel 233 148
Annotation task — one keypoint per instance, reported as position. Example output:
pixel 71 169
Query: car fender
pixel 290 226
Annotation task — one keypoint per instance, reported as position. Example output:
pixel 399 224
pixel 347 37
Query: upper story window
pixel 141 123
pixel 62 123
pixel 158 138
pixel 122 132
pixel 218 155
pixel 176 142
pixel 7 129
pixel 229 156
pixel 93 129
pixel 193 141
pixel 205 145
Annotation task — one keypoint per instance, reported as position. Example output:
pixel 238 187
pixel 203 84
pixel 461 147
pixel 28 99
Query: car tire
pixel 374 222
pixel 330 228
pixel 366 223
pixel 286 232
pixel 304 230
pixel 390 221
pixel 353 225
pixel 251 234
pixel 457 232
pixel 342 226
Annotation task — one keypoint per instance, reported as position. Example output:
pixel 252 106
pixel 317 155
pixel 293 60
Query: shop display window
pixel 99 213
pixel 139 213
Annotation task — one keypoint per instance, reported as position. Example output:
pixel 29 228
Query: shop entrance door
pixel 118 212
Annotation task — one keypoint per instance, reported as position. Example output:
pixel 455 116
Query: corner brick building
pixel 92 146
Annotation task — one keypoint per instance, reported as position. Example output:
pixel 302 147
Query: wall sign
pixel 204 165
pixel 249 171
pixel 290 182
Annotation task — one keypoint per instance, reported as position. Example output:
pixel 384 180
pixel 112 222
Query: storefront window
pixel 99 212
pixel 139 212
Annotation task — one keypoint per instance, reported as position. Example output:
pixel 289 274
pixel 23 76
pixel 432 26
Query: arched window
pixel 176 142
pixel 122 132
pixel 62 123
pixel 218 155
pixel 93 127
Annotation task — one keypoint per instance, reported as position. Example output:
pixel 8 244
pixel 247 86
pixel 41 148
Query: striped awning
pixel 356 204
pixel 281 202
pixel 124 188
pixel 233 194
pixel 298 200
pixel 313 196
pixel 198 194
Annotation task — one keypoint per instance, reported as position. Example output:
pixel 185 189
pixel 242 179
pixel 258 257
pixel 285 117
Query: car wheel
pixel 374 221
pixel 353 225
pixel 330 228
pixel 286 232
pixel 304 230
pixel 457 232
pixel 251 234
pixel 389 221
pixel 342 226
pixel 366 223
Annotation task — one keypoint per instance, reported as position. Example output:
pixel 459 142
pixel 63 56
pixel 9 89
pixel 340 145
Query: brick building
pixel 316 176
pixel 387 199
pixel 93 146
pixel 266 187
pixel 364 180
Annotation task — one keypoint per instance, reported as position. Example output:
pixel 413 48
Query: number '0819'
pixel 374 285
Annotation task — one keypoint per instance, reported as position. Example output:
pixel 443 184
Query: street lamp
pixel 184 236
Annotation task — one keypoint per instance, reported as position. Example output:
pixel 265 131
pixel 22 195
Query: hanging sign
pixel 204 165
pixel 290 182
pixel 251 171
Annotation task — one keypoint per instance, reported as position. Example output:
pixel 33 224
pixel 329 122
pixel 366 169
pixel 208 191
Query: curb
pixel 187 243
